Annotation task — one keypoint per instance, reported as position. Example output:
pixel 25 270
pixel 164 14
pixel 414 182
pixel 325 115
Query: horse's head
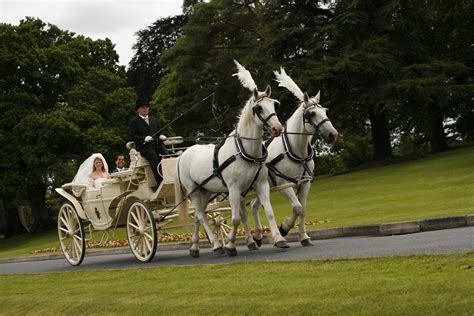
pixel 260 108
pixel 315 116
pixel 263 109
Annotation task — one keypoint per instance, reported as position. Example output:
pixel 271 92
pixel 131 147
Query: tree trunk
pixel 437 136
pixel 11 224
pixel 37 201
pixel 380 134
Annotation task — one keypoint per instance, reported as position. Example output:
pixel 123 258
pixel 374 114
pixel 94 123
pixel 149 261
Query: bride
pixel 93 171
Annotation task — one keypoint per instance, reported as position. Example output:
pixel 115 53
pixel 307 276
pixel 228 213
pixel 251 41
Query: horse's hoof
pixel 252 246
pixel 282 231
pixel 231 252
pixel 306 242
pixel 194 253
pixel 258 242
pixel 282 244
pixel 218 251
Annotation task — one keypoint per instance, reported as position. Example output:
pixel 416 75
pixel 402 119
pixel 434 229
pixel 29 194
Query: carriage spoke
pixel 148 245
pixel 73 249
pixel 134 226
pixel 135 218
pixel 141 231
pixel 148 236
pixel 142 246
pixel 142 217
pixel 64 222
pixel 137 242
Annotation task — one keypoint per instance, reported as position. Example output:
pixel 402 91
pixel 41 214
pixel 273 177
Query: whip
pixel 188 110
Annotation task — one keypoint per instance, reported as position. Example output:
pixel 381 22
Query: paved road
pixel 439 241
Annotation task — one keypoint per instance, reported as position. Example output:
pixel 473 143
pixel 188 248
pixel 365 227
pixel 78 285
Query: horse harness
pixel 218 168
pixel 307 117
pixel 273 170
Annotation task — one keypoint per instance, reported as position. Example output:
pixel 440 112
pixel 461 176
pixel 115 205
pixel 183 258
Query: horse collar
pixel 291 154
pixel 247 157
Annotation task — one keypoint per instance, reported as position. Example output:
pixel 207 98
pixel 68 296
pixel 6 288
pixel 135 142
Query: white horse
pixel 290 156
pixel 232 166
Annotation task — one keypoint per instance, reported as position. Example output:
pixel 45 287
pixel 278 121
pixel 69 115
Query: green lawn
pixel 436 186
pixel 439 185
pixel 413 285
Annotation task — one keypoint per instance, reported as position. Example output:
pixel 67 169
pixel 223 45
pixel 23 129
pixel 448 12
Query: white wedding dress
pixel 86 168
pixel 98 182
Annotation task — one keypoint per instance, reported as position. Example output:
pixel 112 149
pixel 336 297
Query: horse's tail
pixel 182 203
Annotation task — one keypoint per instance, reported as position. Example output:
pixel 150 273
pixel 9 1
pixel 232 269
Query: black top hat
pixel 141 102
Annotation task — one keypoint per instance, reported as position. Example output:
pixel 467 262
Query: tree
pixel 360 64
pixel 200 63
pixel 145 70
pixel 435 81
pixel 57 93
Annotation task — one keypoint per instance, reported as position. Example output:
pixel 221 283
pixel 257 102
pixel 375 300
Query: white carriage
pixel 129 197
pixel 132 198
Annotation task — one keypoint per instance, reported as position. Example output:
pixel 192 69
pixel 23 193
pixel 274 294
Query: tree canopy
pixel 393 74
pixel 63 97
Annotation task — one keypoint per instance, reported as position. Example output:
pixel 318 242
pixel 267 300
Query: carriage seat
pixel 77 189
pixel 82 189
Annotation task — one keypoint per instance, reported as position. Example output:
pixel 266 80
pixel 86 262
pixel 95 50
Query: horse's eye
pixel 276 104
pixel 258 109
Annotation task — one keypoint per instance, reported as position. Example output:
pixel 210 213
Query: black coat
pixel 139 129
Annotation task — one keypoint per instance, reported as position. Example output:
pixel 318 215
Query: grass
pixel 440 185
pixel 436 186
pixel 429 284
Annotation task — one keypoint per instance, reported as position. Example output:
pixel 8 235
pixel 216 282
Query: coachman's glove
pixel 148 139
pixel 163 138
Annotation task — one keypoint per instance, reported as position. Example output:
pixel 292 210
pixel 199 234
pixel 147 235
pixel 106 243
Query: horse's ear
pixel 255 93
pixel 306 98
pixel 268 90
pixel 318 96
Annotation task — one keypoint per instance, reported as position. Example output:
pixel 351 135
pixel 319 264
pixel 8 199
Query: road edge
pixel 386 229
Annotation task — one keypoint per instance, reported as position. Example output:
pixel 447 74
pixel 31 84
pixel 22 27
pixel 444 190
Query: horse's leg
pixel 248 236
pixel 215 243
pixel 234 201
pixel 263 194
pixel 289 223
pixel 194 249
pixel 305 240
pixel 258 235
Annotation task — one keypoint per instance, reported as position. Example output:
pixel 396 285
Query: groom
pixel 143 131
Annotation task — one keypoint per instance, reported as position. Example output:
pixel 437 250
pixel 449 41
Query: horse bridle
pixel 257 110
pixel 307 118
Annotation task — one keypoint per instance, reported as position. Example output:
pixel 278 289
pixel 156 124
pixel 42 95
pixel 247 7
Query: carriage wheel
pixel 71 235
pixel 218 220
pixel 141 231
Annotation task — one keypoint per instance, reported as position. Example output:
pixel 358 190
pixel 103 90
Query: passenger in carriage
pixel 93 171
pixel 143 130
pixel 119 164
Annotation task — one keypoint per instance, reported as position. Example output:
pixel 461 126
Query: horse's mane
pixel 296 116
pixel 245 116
